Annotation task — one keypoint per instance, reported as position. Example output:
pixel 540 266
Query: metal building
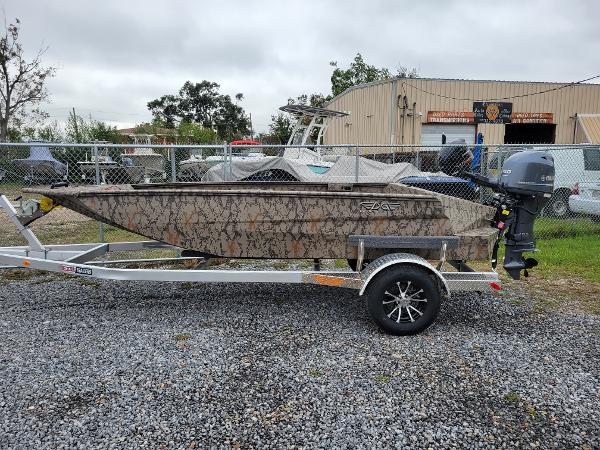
pixel 426 111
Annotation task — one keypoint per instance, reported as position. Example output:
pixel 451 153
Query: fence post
pixel 483 162
pixel 357 168
pixel 98 182
pixel 499 163
pixel 418 159
pixel 173 165
pixel 224 162
pixel 230 177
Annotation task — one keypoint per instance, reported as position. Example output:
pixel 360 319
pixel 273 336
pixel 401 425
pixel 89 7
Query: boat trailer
pixel 403 290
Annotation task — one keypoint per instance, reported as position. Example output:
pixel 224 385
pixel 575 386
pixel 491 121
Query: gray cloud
pixel 115 56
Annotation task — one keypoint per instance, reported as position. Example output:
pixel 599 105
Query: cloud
pixel 115 56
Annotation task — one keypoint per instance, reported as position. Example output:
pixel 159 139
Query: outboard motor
pixel 522 189
pixel 455 158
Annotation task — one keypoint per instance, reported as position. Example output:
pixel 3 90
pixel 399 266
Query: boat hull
pixel 250 222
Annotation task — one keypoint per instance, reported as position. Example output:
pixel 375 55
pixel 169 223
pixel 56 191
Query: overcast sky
pixel 113 56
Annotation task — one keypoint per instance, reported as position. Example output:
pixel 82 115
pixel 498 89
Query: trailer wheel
pixel 403 300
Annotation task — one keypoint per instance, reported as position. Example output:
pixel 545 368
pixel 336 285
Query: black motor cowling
pixel 455 158
pixel 522 189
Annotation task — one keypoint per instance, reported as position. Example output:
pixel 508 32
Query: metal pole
pixel 418 159
pixel 98 182
pixel 414 118
pixel 483 162
pixel 97 164
pixel 224 162
pixel 230 163
pixel 357 168
pixel 173 165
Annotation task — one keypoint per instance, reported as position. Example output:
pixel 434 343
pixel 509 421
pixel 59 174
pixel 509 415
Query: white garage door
pixel 431 133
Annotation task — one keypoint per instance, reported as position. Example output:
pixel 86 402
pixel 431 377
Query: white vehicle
pixel 577 164
pixel 586 199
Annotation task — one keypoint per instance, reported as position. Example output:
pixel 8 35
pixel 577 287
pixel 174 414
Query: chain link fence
pixel 573 210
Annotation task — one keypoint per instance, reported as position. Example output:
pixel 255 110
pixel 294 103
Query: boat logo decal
pixel 376 206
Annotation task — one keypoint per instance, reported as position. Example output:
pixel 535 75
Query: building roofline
pixel 390 80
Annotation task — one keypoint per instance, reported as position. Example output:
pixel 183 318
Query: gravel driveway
pixel 149 365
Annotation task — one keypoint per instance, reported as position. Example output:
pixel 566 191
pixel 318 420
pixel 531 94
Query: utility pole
pixel 251 129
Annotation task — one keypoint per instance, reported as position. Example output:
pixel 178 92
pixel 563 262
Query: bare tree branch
pixel 22 83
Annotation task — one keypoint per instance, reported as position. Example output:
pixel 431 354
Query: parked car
pixel 577 164
pixel 585 199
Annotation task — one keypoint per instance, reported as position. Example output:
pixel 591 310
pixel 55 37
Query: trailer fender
pixel 397 259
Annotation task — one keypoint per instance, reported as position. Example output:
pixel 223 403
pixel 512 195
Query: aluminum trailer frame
pixel 90 261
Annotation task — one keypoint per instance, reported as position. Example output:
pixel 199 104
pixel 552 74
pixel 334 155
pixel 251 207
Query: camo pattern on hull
pixel 278 221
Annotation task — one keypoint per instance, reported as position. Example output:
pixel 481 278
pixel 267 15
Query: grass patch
pixel 546 228
pixel 341 264
pixel 382 378
pixel 86 282
pixel 577 256
pixel 281 265
pixel 512 397
pixel 182 337
pixel 315 373
pixel 19 274
pixel 70 233
pixel 81 233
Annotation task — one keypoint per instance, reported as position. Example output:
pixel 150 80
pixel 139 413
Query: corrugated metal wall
pixel 370 109
pixel 371 106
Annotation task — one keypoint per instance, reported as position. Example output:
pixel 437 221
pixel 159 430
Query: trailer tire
pixel 404 300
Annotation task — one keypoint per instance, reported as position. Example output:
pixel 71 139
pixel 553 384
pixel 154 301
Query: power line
pixel 501 98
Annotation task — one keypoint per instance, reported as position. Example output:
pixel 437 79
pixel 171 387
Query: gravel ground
pixel 149 365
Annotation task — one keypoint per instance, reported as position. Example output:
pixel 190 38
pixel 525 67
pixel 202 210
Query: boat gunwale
pixel 142 186
pixel 231 192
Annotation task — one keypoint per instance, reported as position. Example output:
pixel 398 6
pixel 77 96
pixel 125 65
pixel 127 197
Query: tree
pixel 201 103
pixel 51 132
pixel 194 133
pixel 22 83
pixel 280 128
pixel 79 130
pixel 360 72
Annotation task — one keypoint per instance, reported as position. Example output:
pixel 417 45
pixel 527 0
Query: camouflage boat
pixel 285 220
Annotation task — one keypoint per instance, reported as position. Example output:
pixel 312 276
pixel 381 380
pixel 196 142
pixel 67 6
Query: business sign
pixel 450 117
pixel 489 112
pixel 492 112
pixel 529 117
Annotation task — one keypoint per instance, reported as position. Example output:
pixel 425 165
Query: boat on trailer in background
pixel 306 140
pixel 41 167
pixel 152 162
pixel 194 168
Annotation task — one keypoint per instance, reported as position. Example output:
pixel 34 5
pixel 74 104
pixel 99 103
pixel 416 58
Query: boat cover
pixel 343 171
pixel 41 160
